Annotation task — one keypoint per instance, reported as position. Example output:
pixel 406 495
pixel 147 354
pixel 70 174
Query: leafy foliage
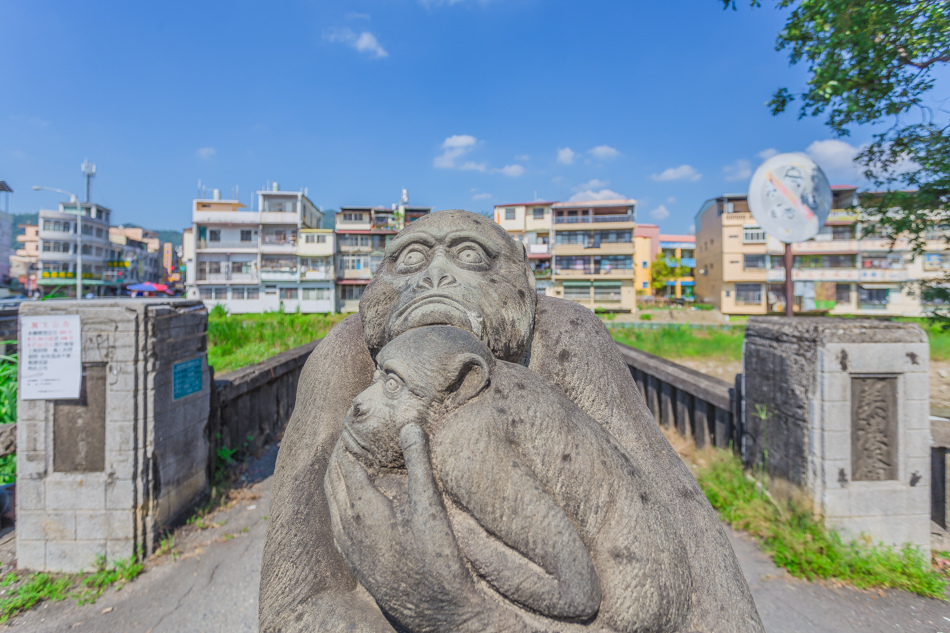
pixel 875 62
pixel 8 387
pixel 801 542
pixel 678 341
pixel 666 269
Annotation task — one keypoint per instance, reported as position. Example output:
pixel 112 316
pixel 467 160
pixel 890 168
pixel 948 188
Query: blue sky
pixel 467 103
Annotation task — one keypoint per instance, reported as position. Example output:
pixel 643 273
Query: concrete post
pixel 843 408
pixel 101 475
pixel 684 407
pixel 666 405
pixel 700 423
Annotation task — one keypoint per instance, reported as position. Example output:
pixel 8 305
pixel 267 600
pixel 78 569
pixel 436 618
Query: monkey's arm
pixel 532 553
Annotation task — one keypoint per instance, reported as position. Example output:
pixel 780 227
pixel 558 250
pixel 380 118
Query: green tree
pixel 876 62
pixel 666 269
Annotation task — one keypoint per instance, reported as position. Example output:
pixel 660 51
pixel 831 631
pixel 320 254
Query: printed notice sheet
pixel 50 357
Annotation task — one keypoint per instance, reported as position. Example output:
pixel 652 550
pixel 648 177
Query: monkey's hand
pixel 406 555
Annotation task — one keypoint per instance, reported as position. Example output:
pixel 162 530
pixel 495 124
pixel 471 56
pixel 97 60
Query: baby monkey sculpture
pixel 545 505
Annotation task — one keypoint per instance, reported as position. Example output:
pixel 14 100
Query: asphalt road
pixel 212 586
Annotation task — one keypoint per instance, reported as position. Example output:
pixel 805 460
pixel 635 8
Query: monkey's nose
pixel 358 410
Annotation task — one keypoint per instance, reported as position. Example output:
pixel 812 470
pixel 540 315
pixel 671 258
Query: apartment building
pixel 680 249
pixel 362 234
pixel 57 250
pixel 649 244
pixel 249 261
pixel 531 224
pixel 843 270
pixel 24 263
pixel 594 253
pixel 136 256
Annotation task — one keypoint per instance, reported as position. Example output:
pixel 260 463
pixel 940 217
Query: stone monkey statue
pixel 546 503
pixel 461 269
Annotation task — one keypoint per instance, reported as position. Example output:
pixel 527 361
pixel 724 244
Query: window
pixel 842 293
pixel 98 251
pixel 606 293
pixel 98 232
pixel 933 261
pixel 47 247
pixel 572 237
pixel 842 232
pixel 606 263
pixel 211 293
pixel 873 298
pixel 538 213
pixel 354 262
pixel 214 235
pixel 244 268
pixel 646 285
pixel 753 235
pixel 245 292
pixel 313 238
pixel 86 250
pixel 288 293
pixel 509 214
pixel 246 236
pixel 86 229
pixel 351 293
pixel 315 294
pixel 755 261
pixel 353 217
pixel 749 293
pixel 577 293
pixel 646 264
pixel 579 264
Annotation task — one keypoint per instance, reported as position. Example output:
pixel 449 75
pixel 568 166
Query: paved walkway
pixel 212 586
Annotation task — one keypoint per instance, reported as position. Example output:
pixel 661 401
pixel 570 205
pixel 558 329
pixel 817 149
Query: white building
pixel 273 259
pixel 57 250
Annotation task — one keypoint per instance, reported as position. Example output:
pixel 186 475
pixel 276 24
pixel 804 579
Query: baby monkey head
pixel 421 376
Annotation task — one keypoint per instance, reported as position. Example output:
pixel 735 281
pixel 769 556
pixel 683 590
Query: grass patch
pixel 801 542
pixel 678 341
pixel 18 594
pixel 238 340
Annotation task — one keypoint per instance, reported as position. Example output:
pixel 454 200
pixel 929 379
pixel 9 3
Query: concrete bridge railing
pixel 698 406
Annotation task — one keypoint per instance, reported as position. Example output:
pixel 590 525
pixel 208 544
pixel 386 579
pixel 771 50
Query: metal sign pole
pixel 789 288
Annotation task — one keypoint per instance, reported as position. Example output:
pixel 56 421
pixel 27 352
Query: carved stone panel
pixel 79 426
pixel 873 428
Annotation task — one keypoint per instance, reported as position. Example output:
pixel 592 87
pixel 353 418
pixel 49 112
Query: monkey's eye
pixel 393 384
pixel 411 259
pixel 471 255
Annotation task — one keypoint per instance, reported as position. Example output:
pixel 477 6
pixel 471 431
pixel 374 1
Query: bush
pixel 677 341
pixel 703 306
pixel 646 317
pixel 802 543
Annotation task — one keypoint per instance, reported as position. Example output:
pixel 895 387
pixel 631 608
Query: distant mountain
pixel 170 236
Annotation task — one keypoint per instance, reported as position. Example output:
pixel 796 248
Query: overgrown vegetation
pixel 8 386
pixel 801 542
pixel 22 593
pixel 678 341
pixel 235 341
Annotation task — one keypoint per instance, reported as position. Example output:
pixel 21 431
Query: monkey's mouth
pixel 354 444
pixel 437 309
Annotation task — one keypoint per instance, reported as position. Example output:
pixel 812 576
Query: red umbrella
pixel 148 286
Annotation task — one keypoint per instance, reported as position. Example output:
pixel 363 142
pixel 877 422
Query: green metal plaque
pixel 186 377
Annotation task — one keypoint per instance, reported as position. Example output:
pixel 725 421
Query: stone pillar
pixel 847 407
pixel 102 474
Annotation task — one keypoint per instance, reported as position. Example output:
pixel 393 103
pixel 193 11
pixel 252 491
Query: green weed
pixel 678 341
pixel 8 469
pixel 802 543
pixel 8 386
pixel 36 588
pixel 235 341
pixel 119 573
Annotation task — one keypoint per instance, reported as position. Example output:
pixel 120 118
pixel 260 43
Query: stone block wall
pixel 146 466
pixel 847 408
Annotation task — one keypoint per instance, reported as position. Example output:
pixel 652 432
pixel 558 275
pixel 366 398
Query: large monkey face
pixel 453 268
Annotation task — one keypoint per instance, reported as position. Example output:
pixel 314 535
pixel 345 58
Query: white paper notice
pixel 50 357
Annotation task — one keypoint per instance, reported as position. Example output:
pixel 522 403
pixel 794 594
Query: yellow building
pixel 842 270
pixel 530 224
pixel 594 253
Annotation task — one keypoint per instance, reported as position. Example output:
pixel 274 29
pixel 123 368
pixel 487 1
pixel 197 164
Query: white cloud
pixel 523 157
pixel 481 196
pixel 364 42
pixel 660 213
pixel 671 200
pixel 565 155
pixel 453 148
pixel 767 153
pixel 588 194
pixel 512 170
pixel 604 152
pixel 594 183
pixel 683 172
pixel 739 170
pixel 205 153
pixel 835 157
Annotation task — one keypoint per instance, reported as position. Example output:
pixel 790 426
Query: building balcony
pixel 228 245
pixel 317 275
pixel 288 247
pixel 279 217
pixel 349 248
pixel 226 218
pixel 542 274
pixel 844 275
pixel 593 219
pixel 539 249
pixel 622 273
pixel 234 278
pixel 323 249
pixel 342 226
pixel 279 275
pixel 363 273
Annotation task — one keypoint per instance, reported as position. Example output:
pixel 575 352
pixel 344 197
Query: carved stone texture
pixel 873 428
pixel 467 456
pixel 79 426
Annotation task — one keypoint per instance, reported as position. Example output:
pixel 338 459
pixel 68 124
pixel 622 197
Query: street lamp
pixel 72 198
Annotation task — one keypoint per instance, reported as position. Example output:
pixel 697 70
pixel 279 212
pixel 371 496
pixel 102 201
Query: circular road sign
pixel 790 197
